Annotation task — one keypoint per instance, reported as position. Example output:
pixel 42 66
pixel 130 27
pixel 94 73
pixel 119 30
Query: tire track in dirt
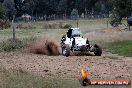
pixel 104 67
pixel 108 66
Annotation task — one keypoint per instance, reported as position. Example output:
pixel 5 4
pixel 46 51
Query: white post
pixel 13 27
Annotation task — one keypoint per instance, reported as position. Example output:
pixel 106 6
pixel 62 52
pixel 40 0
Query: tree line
pixel 50 7
pixel 118 8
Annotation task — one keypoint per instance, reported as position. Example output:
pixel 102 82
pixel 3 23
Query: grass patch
pixel 84 25
pixel 21 32
pixel 17 79
pixel 10 45
pixel 121 47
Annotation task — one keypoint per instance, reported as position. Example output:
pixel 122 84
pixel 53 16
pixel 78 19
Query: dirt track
pixel 108 66
pixel 104 67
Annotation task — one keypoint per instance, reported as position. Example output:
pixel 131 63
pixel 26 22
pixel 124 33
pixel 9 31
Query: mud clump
pixel 46 47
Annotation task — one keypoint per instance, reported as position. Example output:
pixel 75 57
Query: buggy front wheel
pixel 66 50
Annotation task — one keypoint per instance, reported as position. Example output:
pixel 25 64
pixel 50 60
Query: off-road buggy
pixel 73 41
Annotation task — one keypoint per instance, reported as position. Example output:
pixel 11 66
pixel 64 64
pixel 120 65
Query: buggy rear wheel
pixel 97 50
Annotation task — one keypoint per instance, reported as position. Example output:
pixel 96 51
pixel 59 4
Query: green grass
pixel 26 80
pixel 23 32
pixel 31 32
pixel 123 48
pixel 17 79
pixel 85 26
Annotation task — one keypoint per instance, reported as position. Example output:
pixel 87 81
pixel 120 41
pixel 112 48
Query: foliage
pixel 67 26
pixel 4 24
pixel 49 7
pixel 9 8
pixel 121 8
pixel 98 7
pixel 13 8
pixel 19 5
pixel 1 1
pixel 56 25
pixel 11 45
pixel 25 26
pixel 2 11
